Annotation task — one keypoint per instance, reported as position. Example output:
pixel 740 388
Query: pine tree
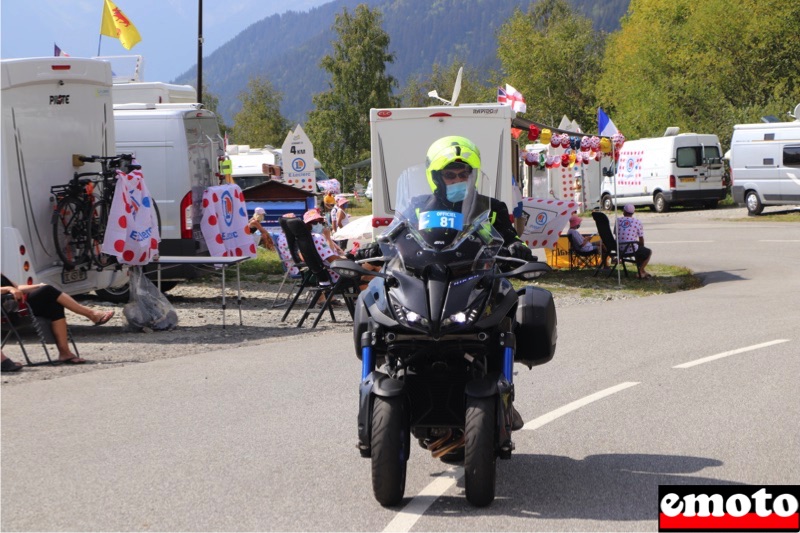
pixel 260 121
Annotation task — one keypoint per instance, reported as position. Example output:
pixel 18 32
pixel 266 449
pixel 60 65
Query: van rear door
pixel 205 146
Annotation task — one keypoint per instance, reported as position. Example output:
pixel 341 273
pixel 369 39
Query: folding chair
pixel 626 249
pixel 319 283
pixel 290 271
pixel 12 323
pixel 580 259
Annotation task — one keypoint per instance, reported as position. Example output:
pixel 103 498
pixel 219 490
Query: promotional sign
pixel 544 220
pixel 297 160
pixel 132 231
pixel 225 225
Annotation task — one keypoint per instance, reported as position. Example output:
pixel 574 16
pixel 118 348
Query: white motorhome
pixel 676 169
pixel 253 166
pixel 153 92
pixel 52 108
pixel 179 147
pixel 400 138
pixel 765 164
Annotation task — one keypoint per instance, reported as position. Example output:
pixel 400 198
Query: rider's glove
pixel 368 251
pixel 518 250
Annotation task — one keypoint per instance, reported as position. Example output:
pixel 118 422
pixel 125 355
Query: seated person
pixel 260 235
pixel 578 241
pixel 630 229
pixel 48 302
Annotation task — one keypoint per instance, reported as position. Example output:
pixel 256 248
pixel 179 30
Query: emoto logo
pixel 298 165
pixel 227 207
pixel 728 508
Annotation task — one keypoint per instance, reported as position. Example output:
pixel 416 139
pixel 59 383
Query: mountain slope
pixel 287 48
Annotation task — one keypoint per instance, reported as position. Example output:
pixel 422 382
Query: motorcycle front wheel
pixel 479 453
pixel 391 444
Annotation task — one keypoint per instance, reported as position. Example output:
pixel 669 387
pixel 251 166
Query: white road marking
pixel 726 354
pixel 577 404
pixel 414 510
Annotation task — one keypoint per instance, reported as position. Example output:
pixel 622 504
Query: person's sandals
pixel 75 360
pixel 105 318
pixel 10 366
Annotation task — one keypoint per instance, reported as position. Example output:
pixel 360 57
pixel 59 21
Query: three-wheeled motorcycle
pixel 438 330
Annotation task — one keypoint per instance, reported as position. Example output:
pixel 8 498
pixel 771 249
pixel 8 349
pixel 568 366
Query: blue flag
pixel 604 124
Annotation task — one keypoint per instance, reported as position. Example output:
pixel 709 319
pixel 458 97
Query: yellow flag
pixel 116 24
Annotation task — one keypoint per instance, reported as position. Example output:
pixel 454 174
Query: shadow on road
pixel 719 276
pixel 613 487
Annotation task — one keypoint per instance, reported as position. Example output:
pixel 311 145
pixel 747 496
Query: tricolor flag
pixel 115 24
pixel 511 96
pixel 604 124
pixel 58 52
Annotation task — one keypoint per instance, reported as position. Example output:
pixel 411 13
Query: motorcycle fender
pixel 376 384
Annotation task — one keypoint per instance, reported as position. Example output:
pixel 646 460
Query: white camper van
pixel 765 164
pixel 52 108
pixel 252 166
pixel 676 169
pixel 153 92
pixel 400 138
pixel 178 147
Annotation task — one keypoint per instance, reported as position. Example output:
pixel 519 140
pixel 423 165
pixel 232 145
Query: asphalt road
pixel 265 439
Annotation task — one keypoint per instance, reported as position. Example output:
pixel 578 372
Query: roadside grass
pixel 667 279
pixel 267 268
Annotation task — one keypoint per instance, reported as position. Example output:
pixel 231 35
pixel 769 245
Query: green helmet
pixel 445 151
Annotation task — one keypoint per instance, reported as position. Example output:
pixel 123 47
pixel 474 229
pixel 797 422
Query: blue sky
pixel 28 28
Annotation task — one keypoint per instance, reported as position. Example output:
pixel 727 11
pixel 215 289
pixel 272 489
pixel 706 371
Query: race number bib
pixel 441 219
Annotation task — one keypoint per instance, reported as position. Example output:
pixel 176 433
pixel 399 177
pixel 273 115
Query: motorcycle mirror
pixel 527 271
pixel 352 270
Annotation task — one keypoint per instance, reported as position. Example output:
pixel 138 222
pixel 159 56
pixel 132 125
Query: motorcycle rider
pixel 448 166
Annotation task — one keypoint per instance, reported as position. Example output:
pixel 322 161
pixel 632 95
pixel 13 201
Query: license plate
pixel 71 276
pixel 688 180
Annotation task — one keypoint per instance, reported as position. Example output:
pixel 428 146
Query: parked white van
pixel 178 147
pixel 676 169
pixel 765 164
pixel 52 108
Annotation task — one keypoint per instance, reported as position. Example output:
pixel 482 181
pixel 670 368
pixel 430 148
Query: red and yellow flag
pixel 116 24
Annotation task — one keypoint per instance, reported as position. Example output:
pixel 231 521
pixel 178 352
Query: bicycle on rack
pixel 81 212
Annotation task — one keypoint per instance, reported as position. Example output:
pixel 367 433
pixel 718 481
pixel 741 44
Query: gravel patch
pixel 198 305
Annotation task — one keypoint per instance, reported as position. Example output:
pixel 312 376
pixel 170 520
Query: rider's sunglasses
pixel 451 175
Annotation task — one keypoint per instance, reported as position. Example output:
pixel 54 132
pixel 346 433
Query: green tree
pixel 443 79
pixel 260 122
pixel 339 125
pixel 552 55
pixel 211 102
pixel 701 66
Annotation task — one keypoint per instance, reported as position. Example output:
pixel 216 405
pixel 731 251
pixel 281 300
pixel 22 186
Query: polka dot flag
pixel 224 223
pixel 546 219
pixel 132 231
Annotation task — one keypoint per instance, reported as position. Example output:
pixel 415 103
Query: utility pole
pixel 200 51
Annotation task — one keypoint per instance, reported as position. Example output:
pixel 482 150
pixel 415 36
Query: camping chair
pixel 288 264
pixel 321 284
pixel 626 249
pixel 580 259
pixel 306 275
pixel 13 322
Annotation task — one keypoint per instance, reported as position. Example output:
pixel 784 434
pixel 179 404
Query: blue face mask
pixel 457 191
pixel 317 228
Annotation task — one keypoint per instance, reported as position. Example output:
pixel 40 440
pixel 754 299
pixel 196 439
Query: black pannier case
pixel 536 328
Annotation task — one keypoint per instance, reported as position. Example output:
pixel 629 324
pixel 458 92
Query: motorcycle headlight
pixel 408 317
pixel 463 318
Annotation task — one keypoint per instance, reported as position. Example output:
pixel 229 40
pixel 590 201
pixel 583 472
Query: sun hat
pixel 574 221
pixel 629 209
pixel 311 215
pixel 340 201
pixel 259 211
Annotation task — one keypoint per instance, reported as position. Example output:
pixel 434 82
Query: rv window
pixel 688 156
pixel 791 156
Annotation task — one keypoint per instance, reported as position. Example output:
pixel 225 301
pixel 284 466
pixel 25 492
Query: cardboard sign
pixel 297 160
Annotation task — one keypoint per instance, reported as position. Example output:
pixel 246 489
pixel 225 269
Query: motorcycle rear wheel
pixel 391 442
pixel 479 453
